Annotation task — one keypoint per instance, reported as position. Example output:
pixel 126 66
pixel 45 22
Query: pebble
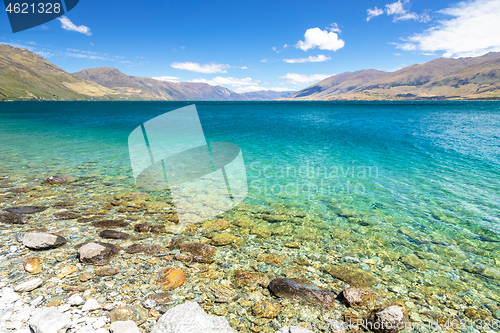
pixel 91 305
pixel 107 271
pixel 76 300
pixel 123 327
pixel 33 265
pixel 266 309
pixel 106 224
pixel 29 285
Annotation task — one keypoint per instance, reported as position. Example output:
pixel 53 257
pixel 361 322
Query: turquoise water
pixel 405 177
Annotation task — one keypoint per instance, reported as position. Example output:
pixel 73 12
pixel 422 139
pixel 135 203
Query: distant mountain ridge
pixel 442 78
pixel 144 88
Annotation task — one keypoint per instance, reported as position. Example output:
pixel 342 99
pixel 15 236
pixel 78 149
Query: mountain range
pixel 27 76
pixel 442 78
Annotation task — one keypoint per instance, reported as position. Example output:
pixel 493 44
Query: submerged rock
pixel 190 318
pixel 13 218
pixel 107 271
pixel 388 320
pixel 59 179
pixel 25 209
pixel 113 234
pixel 224 238
pixel 294 329
pixel 301 289
pixel 198 249
pixel 110 224
pixel 172 278
pixel 242 279
pixel 266 309
pixel 66 215
pixel 358 296
pixel 145 248
pixel 353 276
pixel 223 293
pixel 42 241
pixel 142 227
pixel 97 253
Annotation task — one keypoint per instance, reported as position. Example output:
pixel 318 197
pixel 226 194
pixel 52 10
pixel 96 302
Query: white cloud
pixel 167 78
pixel 399 12
pixel 322 39
pixel 395 8
pixel 66 24
pixel 318 58
pixel 200 68
pixel 373 13
pixel 303 79
pixel 472 30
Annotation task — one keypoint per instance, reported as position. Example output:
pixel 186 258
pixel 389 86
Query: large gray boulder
pixel 190 318
pixel 49 320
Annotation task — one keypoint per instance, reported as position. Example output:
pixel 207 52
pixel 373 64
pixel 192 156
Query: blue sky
pixel 256 45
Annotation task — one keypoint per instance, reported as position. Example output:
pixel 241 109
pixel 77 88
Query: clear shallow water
pixel 404 177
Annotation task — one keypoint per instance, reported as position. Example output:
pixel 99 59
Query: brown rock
pixel 477 314
pixel 59 179
pixel 223 238
pixel 172 278
pixel 25 209
pixel 96 253
pixel 110 224
pixel 266 309
pixel 223 293
pixel 215 225
pixel 251 280
pixel 160 298
pixel 184 257
pixel 301 289
pixel 172 244
pixel 198 249
pixel 113 234
pixel 33 265
pixel 107 271
pixel 358 296
pixel 85 276
pixel 355 277
pixel 13 218
pixel 66 270
pixel 157 229
pixel 271 259
pixel 67 215
pixel 142 227
pixel 388 320
pixel 145 248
